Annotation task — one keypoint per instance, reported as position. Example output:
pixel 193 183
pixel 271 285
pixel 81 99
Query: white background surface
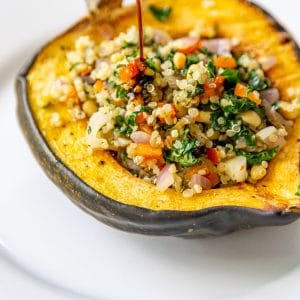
pixel 49 249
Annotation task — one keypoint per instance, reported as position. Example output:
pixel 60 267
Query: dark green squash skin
pixel 206 222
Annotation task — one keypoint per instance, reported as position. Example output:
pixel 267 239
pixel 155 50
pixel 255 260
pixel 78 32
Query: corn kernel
pixel 89 107
pixel 179 60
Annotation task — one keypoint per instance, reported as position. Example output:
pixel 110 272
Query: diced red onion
pixel 185 42
pixel 140 137
pixel 265 134
pixel 196 179
pixel 88 79
pixel 161 37
pixel 268 63
pixel 220 46
pixel 165 178
pixel 200 180
pixel 271 95
pixel 279 143
pixel 276 118
pixel 132 165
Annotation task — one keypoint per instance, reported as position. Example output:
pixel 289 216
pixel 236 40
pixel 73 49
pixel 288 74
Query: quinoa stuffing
pixel 194 115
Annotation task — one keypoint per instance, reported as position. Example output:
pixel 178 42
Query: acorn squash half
pixel 104 189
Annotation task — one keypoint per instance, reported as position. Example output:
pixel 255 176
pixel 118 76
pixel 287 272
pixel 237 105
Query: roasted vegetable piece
pixel 102 187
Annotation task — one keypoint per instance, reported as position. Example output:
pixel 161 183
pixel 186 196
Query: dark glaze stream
pixel 140 24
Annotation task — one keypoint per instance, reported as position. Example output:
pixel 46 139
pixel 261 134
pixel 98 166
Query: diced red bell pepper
pixel 213 87
pixel 213 155
pixel 130 71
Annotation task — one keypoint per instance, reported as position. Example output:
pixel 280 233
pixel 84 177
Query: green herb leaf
pixel 167 127
pixel 198 91
pixel 206 52
pixel 211 69
pixel 183 152
pixel 123 125
pixel 119 120
pixel 262 114
pixel 248 136
pixel 123 157
pixel 256 83
pixel 73 66
pixel 152 65
pixel 131 119
pixel 121 93
pixel 256 158
pixel 89 130
pixel 162 14
pixel 135 172
pixel 116 73
pixel 231 76
pixel 170 56
pixel 128 44
pixel 214 117
pixel 134 53
pixel 191 59
pixel 276 106
pixel 112 84
pixel 237 105
pixel 146 109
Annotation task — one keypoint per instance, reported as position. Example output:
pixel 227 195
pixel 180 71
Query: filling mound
pixel 196 114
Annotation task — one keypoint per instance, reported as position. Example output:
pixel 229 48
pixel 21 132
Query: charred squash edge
pixel 206 222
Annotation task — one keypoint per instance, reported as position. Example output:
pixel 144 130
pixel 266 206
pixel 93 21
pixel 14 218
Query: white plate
pixel 52 250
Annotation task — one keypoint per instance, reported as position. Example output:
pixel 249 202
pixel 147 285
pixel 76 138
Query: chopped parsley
pixel 161 14
pixel 206 52
pixel 112 84
pixel 146 109
pixel 131 119
pixel 276 106
pixel 89 130
pixel 211 69
pixel 248 136
pixel 214 120
pixel 256 83
pixel 229 112
pixel 231 76
pixel 256 158
pixel 191 59
pixel 134 53
pixel 124 125
pixel 198 91
pixel 121 93
pixel 128 45
pixel 134 172
pixel 152 65
pixel 183 152
pixel 116 73
pixel 237 105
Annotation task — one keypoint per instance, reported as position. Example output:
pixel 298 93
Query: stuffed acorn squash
pixel 198 134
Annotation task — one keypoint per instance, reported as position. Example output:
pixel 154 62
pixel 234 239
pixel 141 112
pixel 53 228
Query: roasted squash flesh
pixel 233 18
